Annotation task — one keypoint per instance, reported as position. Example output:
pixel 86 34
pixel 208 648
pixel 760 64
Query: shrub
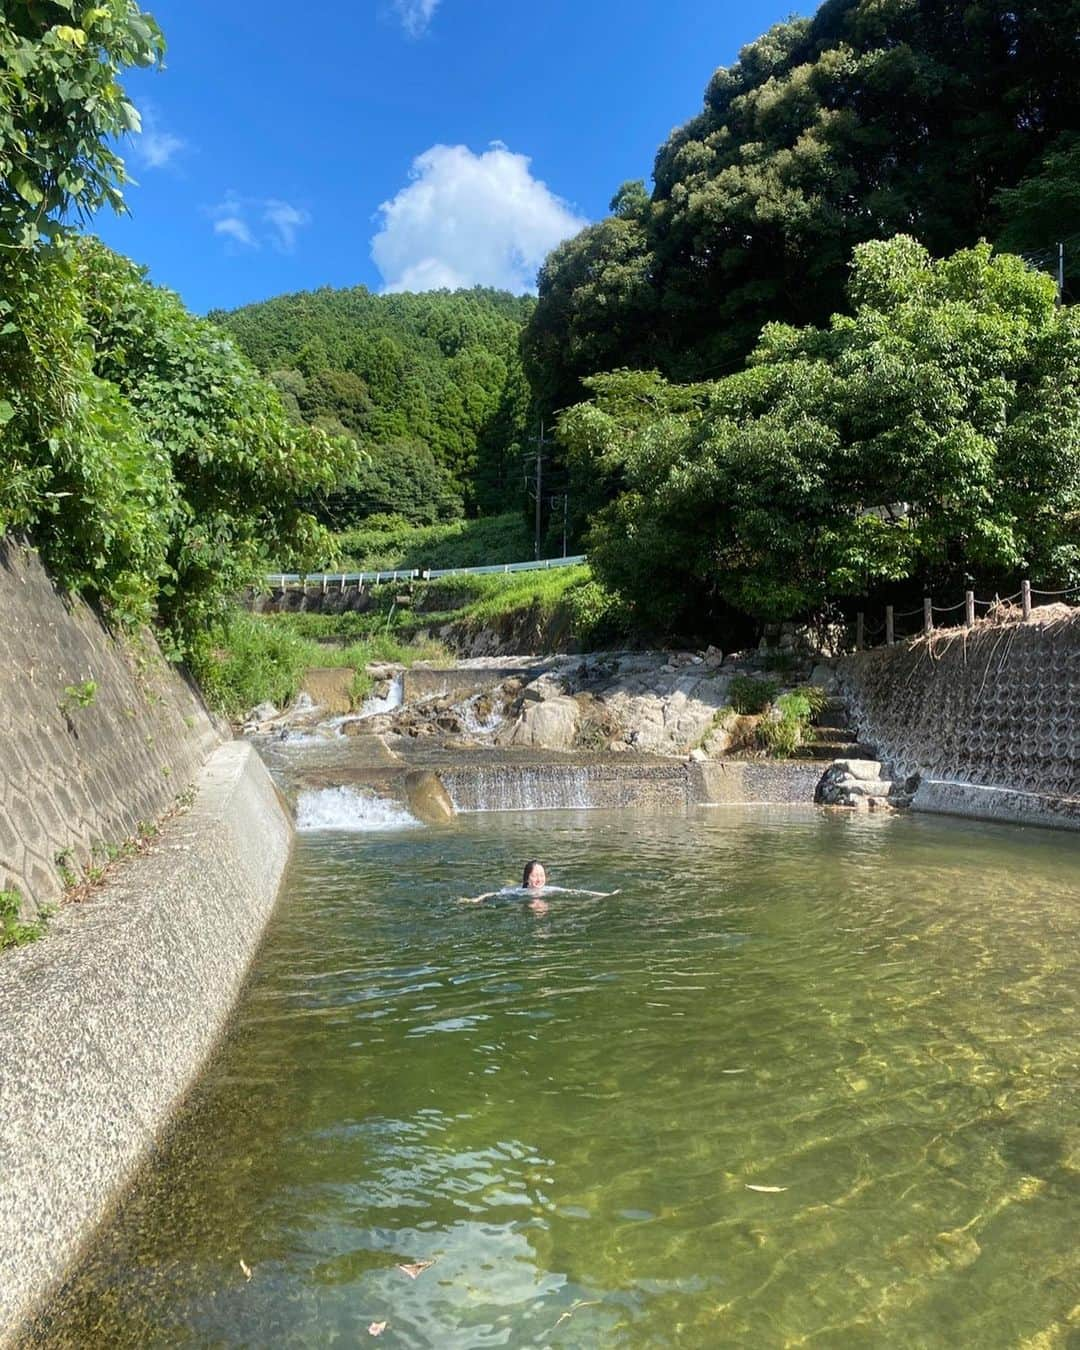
pixel 750 695
pixel 784 726
pixel 244 662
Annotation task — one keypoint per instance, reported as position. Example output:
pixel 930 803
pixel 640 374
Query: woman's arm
pixel 475 899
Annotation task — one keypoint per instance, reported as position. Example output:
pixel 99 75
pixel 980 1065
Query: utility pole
pixel 1061 274
pixel 539 488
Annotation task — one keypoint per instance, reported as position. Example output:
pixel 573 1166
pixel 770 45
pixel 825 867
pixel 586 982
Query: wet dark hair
pixel 533 862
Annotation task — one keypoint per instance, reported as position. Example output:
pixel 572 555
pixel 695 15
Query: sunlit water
pixel 565 1112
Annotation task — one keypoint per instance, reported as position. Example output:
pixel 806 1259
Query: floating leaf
pixel 376 1328
pixel 769 1190
pixel 415 1268
pixel 245 1268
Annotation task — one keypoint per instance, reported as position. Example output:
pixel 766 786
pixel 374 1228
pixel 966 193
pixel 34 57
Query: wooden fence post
pixel 927 614
pixel 1025 598
pixel 969 609
pixel 860 631
pixel 890 627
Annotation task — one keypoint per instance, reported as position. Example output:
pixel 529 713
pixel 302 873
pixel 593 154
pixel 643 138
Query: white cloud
pixel 232 227
pixel 254 221
pixel 284 220
pixel 469 220
pixel 415 15
pixel 155 147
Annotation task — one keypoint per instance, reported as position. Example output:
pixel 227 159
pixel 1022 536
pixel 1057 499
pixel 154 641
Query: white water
pixel 348 808
pixel 393 698
pixel 371 707
pixel 516 789
pixel 473 723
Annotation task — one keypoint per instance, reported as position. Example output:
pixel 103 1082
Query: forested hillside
pixel 431 385
pixel 944 121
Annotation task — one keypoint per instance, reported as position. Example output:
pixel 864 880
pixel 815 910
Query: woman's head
pixel 534 876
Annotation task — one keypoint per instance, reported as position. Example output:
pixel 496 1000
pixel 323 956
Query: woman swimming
pixel 534 884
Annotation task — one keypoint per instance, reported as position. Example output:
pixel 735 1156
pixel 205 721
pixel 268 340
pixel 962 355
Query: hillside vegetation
pixel 874 117
pixel 432 385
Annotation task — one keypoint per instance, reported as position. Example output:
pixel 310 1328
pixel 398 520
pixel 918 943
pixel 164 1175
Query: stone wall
pixel 98 733
pixel 988 718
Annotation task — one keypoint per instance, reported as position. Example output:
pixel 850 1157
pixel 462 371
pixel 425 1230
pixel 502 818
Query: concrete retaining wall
pixel 988 718
pixel 98 733
pixel 105 1023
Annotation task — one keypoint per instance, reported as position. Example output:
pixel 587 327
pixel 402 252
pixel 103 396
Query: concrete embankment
pixel 105 1023
pixel 986 717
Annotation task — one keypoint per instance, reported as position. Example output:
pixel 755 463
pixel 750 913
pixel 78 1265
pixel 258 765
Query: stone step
pixel 834 714
pixel 834 750
pixel 833 735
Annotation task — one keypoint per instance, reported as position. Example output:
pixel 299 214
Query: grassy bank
pixel 255 659
pixel 567 597
pixel 389 543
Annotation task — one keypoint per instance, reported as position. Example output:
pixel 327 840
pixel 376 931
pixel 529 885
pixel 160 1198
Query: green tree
pixel 934 433
pixel 400 478
pixel 60 104
pixel 873 117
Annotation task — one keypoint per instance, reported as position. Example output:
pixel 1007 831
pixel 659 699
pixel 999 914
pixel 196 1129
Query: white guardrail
pixel 325 579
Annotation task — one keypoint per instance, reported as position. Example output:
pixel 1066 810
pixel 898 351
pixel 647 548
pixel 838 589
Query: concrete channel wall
pixel 106 1022
pixel 989 718
pixel 99 733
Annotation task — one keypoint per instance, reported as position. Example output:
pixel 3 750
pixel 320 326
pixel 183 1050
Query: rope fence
pixel 866 634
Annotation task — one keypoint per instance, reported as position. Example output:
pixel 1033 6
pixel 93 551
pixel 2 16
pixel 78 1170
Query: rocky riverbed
pixel 600 729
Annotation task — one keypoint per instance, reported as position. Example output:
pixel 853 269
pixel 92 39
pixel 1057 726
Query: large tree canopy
pixel 441 370
pixel 934 433
pixel 874 117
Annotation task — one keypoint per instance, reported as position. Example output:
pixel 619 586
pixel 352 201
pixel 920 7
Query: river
pixel 807 1078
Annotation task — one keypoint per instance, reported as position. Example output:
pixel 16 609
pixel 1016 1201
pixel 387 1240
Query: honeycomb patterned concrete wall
pixel 998 706
pixel 73 779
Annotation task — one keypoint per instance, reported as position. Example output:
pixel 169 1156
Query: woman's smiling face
pixel 536 877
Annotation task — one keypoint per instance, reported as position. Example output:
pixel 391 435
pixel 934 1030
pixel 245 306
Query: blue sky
pixel 402 144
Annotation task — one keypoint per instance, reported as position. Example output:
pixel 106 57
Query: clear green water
pixel 564 1111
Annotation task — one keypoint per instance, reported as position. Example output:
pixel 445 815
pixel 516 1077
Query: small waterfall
pixel 371 707
pixel 347 808
pixel 471 720
pixel 505 787
pixel 393 698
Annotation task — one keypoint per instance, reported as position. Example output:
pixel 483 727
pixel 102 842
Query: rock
pixel 429 800
pixel 714 657
pixel 265 712
pixel 858 787
pixel 550 725
pixel 330 687
pixel 856 768
pixel 824 677
pixel 697 755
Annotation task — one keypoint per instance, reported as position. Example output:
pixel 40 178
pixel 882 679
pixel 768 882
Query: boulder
pixel 550 725
pixel 868 769
pixel 428 798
